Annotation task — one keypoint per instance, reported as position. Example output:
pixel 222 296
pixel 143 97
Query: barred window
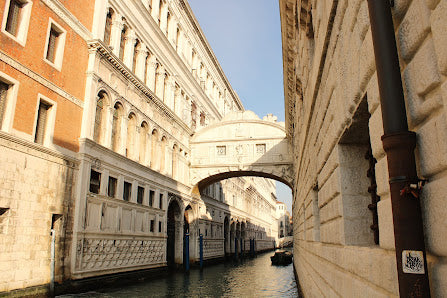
pixel 140 195
pixel 127 191
pixel 111 189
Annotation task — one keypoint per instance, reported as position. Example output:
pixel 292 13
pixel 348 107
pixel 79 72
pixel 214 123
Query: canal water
pixel 246 278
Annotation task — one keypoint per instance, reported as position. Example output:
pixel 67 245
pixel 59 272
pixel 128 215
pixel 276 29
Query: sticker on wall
pixel 413 262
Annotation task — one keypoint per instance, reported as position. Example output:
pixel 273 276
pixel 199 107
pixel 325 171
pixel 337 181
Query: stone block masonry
pixel 35 184
pixel 324 90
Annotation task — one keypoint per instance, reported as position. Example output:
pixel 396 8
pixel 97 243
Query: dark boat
pixel 281 257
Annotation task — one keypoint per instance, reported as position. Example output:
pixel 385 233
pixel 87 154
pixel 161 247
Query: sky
pixel 245 36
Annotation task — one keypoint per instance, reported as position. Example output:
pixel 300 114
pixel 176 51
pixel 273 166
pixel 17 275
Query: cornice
pixel 59 9
pixel 187 9
pixel 37 150
pixel 164 54
pixel 288 33
pixel 105 52
pixel 40 79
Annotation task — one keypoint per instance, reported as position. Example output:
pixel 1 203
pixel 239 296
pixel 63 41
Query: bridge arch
pixel 241 144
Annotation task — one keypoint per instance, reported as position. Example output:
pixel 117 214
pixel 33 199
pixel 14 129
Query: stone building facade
pixel 95 142
pixel 334 122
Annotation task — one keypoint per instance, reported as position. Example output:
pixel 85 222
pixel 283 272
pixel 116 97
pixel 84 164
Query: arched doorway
pixel 187 245
pixel 172 231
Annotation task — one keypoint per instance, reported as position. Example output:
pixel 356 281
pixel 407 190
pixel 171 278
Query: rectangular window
pixel 127 192
pixel 260 148
pixel 161 201
pixel 52 43
pixel 16 20
pixel 41 125
pixel 140 195
pixel 111 189
pixel 3 94
pixel 95 181
pixel 152 225
pixel 151 197
pixel 221 150
pixel 13 19
pixel 54 48
pixel 159 226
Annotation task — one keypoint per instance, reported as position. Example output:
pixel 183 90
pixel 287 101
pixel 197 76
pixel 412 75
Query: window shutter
pixel 13 17
pixel 41 123
pixel 3 92
pixel 51 53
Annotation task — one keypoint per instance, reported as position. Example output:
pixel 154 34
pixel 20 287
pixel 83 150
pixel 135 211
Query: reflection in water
pixel 249 278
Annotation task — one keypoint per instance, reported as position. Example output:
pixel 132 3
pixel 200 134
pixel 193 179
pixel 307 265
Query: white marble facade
pixel 152 82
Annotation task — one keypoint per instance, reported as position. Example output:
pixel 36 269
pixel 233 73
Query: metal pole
pixel 186 252
pixel 399 144
pixel 52 262
pixel 235 248
pixel 201 250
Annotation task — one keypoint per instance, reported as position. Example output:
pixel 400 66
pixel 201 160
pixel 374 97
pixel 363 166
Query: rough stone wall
pixel 335 254
pixel 35 184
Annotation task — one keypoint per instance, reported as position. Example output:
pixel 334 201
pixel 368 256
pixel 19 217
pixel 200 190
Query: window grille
pixel 111 190
pixel 95 181
pixel 127 191
pixel 151 197
pixel 140 195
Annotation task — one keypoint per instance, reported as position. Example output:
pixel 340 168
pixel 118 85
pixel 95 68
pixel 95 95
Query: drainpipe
pixel 399 144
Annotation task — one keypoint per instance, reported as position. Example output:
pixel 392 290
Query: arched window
pixel 144 130
pixel 101 103
pixel 163 146
pixel 123 42
pixel 116 126
pixel 135 52
pixel 154 143
pixel 174 161
pixel 131 130
pixel 108 27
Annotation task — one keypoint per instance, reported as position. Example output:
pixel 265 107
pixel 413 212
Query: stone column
pixel 141 61
pixel 129 48
pixel 172 30
pixel 155 12
pixel 164 17
pixel 151 66
pixel 160 82
pixel 115 33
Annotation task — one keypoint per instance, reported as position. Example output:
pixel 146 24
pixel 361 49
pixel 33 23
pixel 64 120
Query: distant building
pixel 284 219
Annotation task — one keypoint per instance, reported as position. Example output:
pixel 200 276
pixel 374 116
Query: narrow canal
pixel 246 278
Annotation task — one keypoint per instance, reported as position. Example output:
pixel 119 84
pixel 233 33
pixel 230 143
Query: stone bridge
pixel 241 145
